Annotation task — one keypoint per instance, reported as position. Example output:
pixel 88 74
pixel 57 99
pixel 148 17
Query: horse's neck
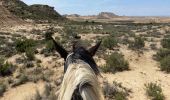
pixel 77 76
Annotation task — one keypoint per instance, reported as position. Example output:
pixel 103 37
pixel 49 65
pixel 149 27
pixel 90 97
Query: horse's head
pixel 80 81
pixel 78 53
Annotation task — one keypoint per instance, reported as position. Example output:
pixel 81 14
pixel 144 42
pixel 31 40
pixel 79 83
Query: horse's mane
pixel 81 77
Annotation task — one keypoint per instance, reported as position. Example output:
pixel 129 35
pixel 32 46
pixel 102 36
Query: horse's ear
pixel 63 53
pixel 93 49
pixel 74 45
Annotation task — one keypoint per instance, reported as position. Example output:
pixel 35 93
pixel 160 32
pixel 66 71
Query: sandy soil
pixel 28 91
pixel 143 70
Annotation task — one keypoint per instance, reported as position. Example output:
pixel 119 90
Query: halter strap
pixel 69 56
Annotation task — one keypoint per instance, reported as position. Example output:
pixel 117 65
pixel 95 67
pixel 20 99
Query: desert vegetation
pixel 115 62
pixel 163 55
pixel 154 91
pixel 115 91
pixel 131 58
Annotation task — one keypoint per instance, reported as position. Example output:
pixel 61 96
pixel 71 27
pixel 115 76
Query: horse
pixel 81 73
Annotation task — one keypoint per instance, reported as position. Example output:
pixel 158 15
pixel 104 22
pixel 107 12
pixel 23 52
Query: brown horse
pixel 80 80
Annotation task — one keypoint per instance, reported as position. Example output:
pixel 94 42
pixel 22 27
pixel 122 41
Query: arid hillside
pixel 17 12
pixel 6 17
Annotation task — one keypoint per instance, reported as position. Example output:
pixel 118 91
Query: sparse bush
pixel 69 32
pixel 50 46
pixel 137 44
pixel 29 64
pixel 39 61
pixel 6 69
pixel 116 62
pixel 153 46
pixel 36 31
pixel 115 91
pixel 48 34
pixel 165 64
pixel 120 96
pixel 162 53
pixel 21 80
pixel 166 43
pixel 109 42
pixel 22 45
pixel 2 89
pixel 154 91
pixel 30 53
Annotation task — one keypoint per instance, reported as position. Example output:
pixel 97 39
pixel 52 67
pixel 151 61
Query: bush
pixel 162 53
pixel 154 91
pixel 109 42
pixel 115 91
pixel 166 43
pixel 22 45
pixel 29 64
pixel 153 46
pixel 30 52
pixel 21 80
pixel 2 89
pixel 165 64
pixel 6 69
pixel 137 44
pixel 50 46
pixel 48 34
pixel 116 62
pixel 69 32
pixel 120 96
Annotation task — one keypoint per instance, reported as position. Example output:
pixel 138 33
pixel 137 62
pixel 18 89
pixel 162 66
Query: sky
pixel 119 7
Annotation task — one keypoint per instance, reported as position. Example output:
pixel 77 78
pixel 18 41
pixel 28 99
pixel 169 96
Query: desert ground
pixel 133 54
pixel 143 68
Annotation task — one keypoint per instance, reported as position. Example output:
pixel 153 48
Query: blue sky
pixel 120 7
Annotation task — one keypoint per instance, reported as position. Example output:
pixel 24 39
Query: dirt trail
pixel 143 70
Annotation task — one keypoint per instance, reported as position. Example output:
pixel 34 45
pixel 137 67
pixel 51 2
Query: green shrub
pixel 165 64
pixel 2 89
pixel 50 46
pixel 115 91
pixel 162 53
pixel 30 53
pixel 137 44
pixel 48 34
pixel 120 96
pixel 109 42
pixel 29 64
pixel 153 46
pixel 21 80
pixel 69 32
pixel 116 62
pixel 154 91
pixel 6 69
pixel 166 43
pixel 22 45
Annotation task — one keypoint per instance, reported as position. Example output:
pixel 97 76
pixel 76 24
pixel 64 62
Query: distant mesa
pixel 72 15
pixel 106 15
pixel 102 15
